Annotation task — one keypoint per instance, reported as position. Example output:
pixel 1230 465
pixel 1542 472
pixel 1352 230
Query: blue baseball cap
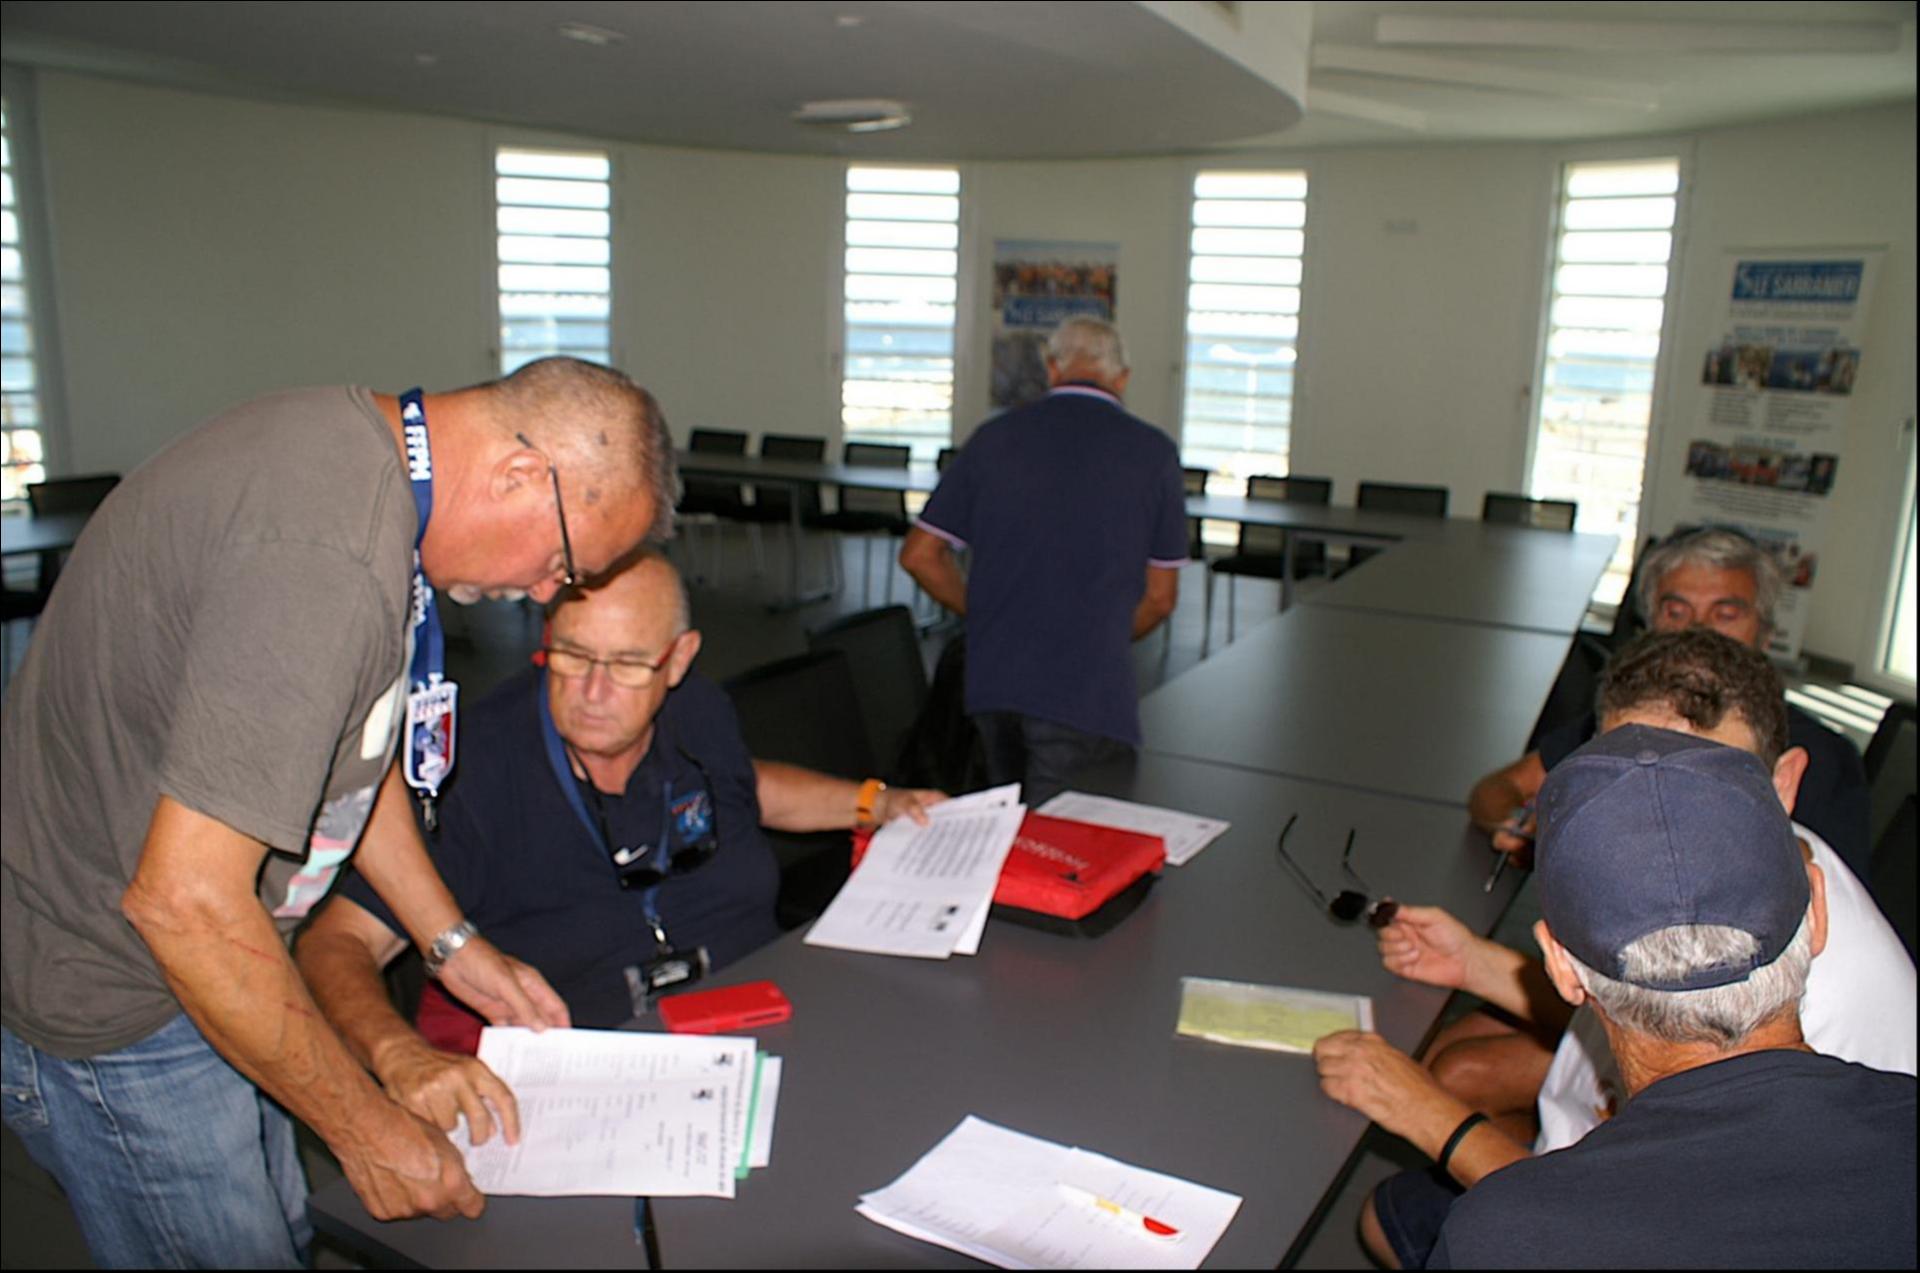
pixel 1644 829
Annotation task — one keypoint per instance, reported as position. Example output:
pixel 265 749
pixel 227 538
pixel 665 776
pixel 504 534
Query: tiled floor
pixel 489 641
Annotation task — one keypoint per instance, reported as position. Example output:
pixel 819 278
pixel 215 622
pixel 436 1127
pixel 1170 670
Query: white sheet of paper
pixel 993 1194
pixel 917 890
pixel 991 798
pixel 579 1088
pixel 985 798
pixel 1185 834
pixel 760 1135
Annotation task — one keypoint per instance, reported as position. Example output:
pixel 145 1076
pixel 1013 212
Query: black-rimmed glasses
pixel 572 577
pixel 1349 905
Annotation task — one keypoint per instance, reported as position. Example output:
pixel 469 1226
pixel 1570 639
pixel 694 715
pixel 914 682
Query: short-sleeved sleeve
pixel 291 646
pixel 1170 539
pixel 948 510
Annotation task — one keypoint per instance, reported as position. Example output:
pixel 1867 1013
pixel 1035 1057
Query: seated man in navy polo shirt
pixel 604 826
pixel 1074 513
pixel 1676 902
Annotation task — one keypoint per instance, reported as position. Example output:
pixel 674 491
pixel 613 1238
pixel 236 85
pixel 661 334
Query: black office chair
pixel 773 503
pixel 1519 510
pixel 1892 877
pixel 870 513
pixel 1261 550
pixel 801 710
pixel 891 688
pixel 1393 497
pixel 944 458
pixel 705 500
pixel 1889 762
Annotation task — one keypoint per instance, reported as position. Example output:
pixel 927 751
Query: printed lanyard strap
pixel 432 699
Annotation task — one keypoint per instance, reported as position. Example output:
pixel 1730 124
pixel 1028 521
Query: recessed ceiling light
pixel 855 114
pixel 850 20
pixel 599 37
pixel 426 59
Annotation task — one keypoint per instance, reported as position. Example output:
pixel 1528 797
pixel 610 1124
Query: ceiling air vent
pixel 855 115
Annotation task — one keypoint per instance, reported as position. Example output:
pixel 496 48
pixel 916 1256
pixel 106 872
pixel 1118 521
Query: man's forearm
pixel 929 560
pixel 226 963
pixel 344 977
pixel 1515 983
pixel 394 860
pixel 796 799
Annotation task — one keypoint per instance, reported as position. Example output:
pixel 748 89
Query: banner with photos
pixel 1036 286
pixel 1768 430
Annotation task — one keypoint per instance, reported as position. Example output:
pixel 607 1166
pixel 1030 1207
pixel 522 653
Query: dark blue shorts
pixel 1412 1206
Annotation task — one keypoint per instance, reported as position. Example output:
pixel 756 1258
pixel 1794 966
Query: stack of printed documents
pixel 1024 1203
pixel 1184 834
pixel 609 1112
pixel 1278 1018
pixel 924 892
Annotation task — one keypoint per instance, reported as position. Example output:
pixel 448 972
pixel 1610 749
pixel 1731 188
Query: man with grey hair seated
pixel 1707 577
pixel 1676 901
pixel 1075 515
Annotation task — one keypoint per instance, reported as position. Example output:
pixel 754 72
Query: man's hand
pixel 1425 943
pixel 1515 835
pixel 1364 1072
pixel 441 1086
pixel 409 1168
pixel 909 802
pixel 501 988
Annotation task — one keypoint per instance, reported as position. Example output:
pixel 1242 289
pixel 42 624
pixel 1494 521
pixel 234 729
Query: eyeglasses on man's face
pixel 1348 905
pixel 628 673
pixel 571 576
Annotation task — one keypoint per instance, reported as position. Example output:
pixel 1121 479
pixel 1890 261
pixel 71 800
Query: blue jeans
pixel 170 1157
pixel 1042 755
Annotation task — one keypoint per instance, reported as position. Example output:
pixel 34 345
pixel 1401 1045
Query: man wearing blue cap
pixel 1676 900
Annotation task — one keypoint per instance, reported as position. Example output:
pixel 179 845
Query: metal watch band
pixel 447 944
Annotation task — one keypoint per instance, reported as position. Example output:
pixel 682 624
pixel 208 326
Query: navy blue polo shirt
pixel 529 871
pixel 1063 503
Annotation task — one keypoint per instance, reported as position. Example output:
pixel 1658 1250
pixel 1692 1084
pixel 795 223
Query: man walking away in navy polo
pixel 1073 512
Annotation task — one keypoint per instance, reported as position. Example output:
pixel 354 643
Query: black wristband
pixel 1467 1124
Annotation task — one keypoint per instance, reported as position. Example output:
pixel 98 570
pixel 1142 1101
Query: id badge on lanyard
pixel 432 699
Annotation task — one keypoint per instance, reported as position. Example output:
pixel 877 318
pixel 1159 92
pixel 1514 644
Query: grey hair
pixel 610 432
pixel 1092 343
pixel 1718 548
pixel 1721 1016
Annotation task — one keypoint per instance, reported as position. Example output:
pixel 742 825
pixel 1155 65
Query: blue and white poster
pixel 1768 443
pixel 1036 286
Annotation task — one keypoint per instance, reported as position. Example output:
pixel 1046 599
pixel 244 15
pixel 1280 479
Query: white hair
pixel 1721 1016
pixel 1089 343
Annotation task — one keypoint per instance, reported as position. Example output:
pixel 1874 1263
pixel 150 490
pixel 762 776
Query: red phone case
pixel 756 1003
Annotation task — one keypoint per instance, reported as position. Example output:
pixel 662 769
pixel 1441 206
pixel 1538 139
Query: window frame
pixel 1681 150
pixel 1870 665
pixel 36 241
pixel 499 140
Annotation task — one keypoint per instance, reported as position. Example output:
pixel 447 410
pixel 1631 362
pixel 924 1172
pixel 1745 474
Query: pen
pixel 1148 1226
pixel 1493 876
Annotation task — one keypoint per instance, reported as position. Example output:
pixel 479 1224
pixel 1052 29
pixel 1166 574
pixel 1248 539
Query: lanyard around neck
pixel 431 697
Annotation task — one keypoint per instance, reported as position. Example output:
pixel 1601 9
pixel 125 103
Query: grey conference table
pixel 1507 576
pixel 1402 705
pixel 44 537
pixel 1068 1039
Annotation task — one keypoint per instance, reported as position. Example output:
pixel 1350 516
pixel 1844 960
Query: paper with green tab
pixel 1278 1018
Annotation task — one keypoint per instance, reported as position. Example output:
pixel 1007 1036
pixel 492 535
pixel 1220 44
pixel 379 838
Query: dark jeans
pixel 1042 755
pixel 1411 1207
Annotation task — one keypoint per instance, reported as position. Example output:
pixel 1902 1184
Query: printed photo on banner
pixel 1769 428
pixel 1037 286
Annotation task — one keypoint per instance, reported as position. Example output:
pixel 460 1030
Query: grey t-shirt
pixel 230 632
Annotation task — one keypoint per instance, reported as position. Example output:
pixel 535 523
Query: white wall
pixel 207 249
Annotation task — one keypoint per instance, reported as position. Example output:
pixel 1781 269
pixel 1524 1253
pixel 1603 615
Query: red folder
pixel 1070 877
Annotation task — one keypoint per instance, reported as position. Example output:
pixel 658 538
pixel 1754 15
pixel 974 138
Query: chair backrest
pixel 944 458
pixel 1519 510
pixel 70 494
pixel 1392 497
pixel 783 446
pixel 1890 760
pixel 892 686
pixel 800 710
pixel 712 494
pixel 1627 620
pixel 857 499
pixel 1892 877
pixel 1195 481
pixel 1269 540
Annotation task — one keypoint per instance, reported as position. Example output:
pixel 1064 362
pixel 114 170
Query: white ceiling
pixel 1010 80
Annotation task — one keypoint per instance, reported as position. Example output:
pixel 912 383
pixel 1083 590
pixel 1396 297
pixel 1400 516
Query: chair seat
pixel 1260 564
pixel 860 523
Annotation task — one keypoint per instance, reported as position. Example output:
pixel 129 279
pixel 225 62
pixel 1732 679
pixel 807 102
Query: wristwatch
pixel 447 944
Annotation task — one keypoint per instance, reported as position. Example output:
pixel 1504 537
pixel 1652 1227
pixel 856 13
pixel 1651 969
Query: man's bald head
pixel 601 430
pixel 644 590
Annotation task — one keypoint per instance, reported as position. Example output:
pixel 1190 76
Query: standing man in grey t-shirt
pixel 204 730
